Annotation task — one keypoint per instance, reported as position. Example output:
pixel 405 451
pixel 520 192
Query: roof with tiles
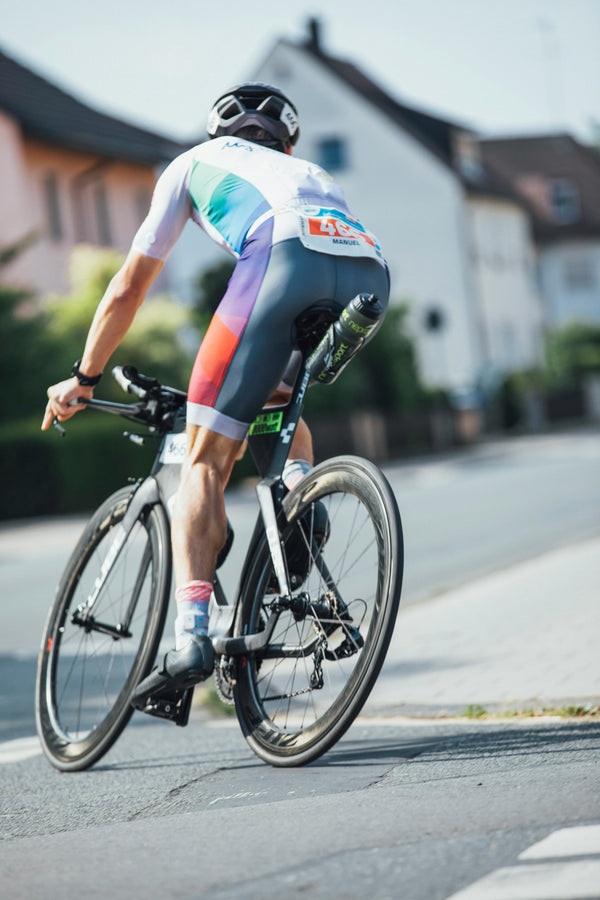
pixel 535 165
pixel 48 113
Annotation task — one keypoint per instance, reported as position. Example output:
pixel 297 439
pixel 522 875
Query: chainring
pixel 224 683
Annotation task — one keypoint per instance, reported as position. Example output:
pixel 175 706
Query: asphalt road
pixel 399 808
pixel 395 810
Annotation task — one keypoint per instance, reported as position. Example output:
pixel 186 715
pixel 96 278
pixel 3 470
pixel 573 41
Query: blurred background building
pixel 491 243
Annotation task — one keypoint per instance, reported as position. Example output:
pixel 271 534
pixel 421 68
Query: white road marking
pixel 19 749
pixel 569 879
pixel 241 795
pixel 581 841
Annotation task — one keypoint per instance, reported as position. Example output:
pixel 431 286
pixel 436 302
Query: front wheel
pixel 102 632
pixel 344 550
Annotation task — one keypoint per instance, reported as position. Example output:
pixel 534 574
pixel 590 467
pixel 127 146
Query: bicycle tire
pixel 289 711
pixel 86 674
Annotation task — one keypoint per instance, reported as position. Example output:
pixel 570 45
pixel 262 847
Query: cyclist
pixel 296 243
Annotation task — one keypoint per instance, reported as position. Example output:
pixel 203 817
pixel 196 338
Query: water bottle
pixel 344 338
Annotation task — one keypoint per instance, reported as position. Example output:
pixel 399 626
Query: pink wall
pixel 95 200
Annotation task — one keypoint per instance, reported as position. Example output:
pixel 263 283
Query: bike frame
pixel 269 440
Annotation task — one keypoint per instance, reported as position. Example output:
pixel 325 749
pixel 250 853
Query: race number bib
pixel 331 231
pixel 174 449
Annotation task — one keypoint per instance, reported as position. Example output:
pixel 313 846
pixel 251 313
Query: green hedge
pixel 44 474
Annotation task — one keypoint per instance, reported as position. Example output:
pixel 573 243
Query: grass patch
pixel 573 712
pixel 475 711
pixel 587 711
pixel 209 700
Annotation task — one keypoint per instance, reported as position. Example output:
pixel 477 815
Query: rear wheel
pixel 95 651
pixel 297 698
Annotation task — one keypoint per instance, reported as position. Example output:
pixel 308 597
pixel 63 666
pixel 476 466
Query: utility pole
pixel 552 73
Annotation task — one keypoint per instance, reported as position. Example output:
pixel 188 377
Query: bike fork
pixel 145 495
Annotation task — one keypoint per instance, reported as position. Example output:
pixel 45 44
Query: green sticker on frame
pixel 267 423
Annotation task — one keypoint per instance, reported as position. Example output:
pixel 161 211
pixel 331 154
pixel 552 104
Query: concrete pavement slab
pixel 525 637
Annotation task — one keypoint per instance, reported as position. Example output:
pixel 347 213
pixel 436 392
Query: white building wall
pixel 510 309
pixel 402 192
pixel 570 280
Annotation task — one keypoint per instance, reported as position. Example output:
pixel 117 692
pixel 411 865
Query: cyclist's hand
pixel 60 396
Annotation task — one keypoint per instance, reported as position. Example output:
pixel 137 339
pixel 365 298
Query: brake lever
pixel 59 427
pixel 77 402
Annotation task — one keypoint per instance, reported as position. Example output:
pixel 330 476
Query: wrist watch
pixel 85 380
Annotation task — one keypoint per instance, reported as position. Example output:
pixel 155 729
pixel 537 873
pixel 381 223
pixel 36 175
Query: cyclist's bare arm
pixel 111 322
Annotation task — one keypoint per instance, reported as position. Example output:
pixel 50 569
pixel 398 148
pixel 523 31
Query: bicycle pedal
pixel 176 709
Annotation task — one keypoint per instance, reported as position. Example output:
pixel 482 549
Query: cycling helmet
pixel 255 104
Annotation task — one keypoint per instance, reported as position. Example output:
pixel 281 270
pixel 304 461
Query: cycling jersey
pixel 229 187
pixel 287 223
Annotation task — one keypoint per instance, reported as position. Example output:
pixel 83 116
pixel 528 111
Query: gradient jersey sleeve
pixel 226 186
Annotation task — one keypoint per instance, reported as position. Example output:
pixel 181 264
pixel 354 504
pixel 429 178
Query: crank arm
pixel 247 643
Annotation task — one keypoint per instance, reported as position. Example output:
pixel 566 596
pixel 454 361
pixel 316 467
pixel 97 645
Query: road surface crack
pixel 171 797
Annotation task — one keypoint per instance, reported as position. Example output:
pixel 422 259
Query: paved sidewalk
pixel 525 637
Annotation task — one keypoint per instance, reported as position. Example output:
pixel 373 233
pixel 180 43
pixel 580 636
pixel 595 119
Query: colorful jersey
pixel 229 187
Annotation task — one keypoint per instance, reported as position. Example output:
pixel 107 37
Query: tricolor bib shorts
pixel 251 337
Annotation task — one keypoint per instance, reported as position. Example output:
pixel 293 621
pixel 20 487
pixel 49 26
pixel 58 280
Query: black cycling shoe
pixel 299 551
pixel 181 669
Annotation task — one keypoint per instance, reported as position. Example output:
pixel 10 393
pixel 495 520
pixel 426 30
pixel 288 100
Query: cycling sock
pixel 293 471
pixel 192 611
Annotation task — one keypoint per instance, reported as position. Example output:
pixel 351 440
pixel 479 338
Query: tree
pixel 153 343
pixel 25 350
pixel 572 352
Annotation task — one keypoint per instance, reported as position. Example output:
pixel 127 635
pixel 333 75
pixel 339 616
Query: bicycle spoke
pixel 95 651
pixel 307 685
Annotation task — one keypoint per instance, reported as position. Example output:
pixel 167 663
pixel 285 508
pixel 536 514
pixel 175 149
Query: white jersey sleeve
pixel 169 211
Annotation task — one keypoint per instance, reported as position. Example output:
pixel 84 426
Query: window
pixel 579 273
pixel 332 154
pixel 468 155
pixel 564 200
pixel 55 226
pixel 102 219
pixel 91 204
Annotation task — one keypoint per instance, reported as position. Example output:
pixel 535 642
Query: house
pixel 68 174
pixel 559 181
pixel 456 234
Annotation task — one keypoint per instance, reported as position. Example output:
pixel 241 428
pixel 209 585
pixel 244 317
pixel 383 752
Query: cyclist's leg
pixel 200 508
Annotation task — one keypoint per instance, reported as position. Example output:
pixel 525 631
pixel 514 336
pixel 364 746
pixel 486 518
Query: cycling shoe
pixel 181 669
pixel 299 551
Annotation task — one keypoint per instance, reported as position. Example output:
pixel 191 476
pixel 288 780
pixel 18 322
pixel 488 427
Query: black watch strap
pixel 85 380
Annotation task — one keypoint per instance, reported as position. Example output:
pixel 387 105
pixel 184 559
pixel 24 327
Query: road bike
pixel 297 650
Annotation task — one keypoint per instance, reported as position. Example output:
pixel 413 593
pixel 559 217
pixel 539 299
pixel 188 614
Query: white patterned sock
pixel 293 471
pixel 192 611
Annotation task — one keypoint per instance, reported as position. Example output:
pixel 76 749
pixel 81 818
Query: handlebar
pixel 156 407
pixel 126 384
pixel 133 382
